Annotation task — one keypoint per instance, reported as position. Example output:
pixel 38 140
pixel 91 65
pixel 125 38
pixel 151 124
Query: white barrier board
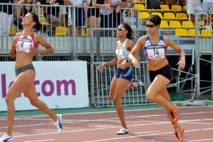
pixel 61 84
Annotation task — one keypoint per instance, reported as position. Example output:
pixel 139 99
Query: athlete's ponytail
pixel 38 25
pixel 131 34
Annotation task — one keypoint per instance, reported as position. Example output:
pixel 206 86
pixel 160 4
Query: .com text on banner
pixel 61 84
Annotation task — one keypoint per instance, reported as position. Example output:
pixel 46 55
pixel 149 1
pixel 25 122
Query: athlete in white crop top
pixel 23 48
pixel 124 74
pixel 160 71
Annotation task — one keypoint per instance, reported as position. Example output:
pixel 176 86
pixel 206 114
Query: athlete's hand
pixel 135 63
pixel 100 67
pixel 34 50
pixel 181 64
pixel 15 40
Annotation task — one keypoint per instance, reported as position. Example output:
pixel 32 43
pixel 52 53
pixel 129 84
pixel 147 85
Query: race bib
pixel 23 45
pixel 155 52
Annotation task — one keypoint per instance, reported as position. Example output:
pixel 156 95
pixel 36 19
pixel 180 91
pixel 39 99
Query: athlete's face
pixel 28 20
pixel 121 31
pixel 151 28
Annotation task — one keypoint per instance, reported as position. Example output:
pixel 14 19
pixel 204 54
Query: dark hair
pixel 131 34
pixel 154 19
pixel 38 25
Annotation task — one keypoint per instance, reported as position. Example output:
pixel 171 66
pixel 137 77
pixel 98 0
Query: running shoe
pixel 179 134
pixel 136 82
pixel 58 123
pixel 123 131
pixel 174 114
pixel 6 138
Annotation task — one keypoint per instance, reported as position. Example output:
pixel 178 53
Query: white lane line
pixel 82 113
pixel 201 140
pixel 147 132
pixel 127 137
pixel 44 140
pixel 97 126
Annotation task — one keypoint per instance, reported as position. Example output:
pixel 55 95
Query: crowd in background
pixel 88 13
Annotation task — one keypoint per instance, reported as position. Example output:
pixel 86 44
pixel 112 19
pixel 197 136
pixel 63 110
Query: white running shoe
pixel 123 131
pixel 6 138
pixel 58 123
pixel 136 82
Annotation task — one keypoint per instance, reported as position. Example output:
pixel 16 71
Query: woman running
pixel 23 48
pixel 124 74
pixel 160 72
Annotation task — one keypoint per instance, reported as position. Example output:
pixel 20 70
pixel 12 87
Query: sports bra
pixel 24 43
pixel 121 51
pixel 155 52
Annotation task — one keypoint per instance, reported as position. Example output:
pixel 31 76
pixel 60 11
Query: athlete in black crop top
pixel 160 71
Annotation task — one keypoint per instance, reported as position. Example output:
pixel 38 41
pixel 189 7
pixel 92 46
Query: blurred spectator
pixel 41 2
pixel 6 15
pixel 79 15
pixel 52 14
pixel 23 10
pixel 191 6
pixel 63 16
pixel 94 17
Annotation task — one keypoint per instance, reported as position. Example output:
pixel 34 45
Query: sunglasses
pixel 121 29
pixel 150 26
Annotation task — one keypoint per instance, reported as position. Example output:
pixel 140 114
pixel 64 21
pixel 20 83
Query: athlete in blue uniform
pixel 124 74
pixel 160 72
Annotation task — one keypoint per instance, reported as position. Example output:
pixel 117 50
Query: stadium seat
pixel 41 12
pixel 143 15
pixel 139 6
pixel 164 8
pixel 187 24
pixel 169 15
pixel 164 24
pixel 174 24
pixel 12 30
pixel 191 32
pixel 180 32
pixel 157 13
pixel 181 16
pixel 87 33
pixel 206 33
pixel 61 31
pixel 176 8
pixel 142 1
pixel 43 21
pixel 184 8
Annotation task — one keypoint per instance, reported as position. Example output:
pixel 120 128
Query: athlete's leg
pixel 157 85
pixel 20 84
pixel 165 94
pixel 112 88
pixel 120 89
pixel 30 92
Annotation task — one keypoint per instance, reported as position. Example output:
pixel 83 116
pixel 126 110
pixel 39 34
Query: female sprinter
pixel 24 47
pixel 124 74
pixel 160 72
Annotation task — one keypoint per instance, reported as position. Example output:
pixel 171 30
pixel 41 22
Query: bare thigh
pixel 112 88
pixel 21 83
pixel 31 94
pixel 158 84
pixel 121 88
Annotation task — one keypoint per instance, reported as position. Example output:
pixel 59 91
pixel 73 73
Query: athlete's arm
pixel 13 49
pixel 132 56
pixel 174 46
pixel 110 63
pixel 131 45
pixel 40 40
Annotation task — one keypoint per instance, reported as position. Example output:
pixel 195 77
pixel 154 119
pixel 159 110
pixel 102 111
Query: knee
pixel 9 100
pixel 35 103
pixel 150 96
pixel 111 98
pixel 116 100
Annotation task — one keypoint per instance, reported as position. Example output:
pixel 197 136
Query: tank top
pixel 155 52
pixel 24 43
pixel 121 51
